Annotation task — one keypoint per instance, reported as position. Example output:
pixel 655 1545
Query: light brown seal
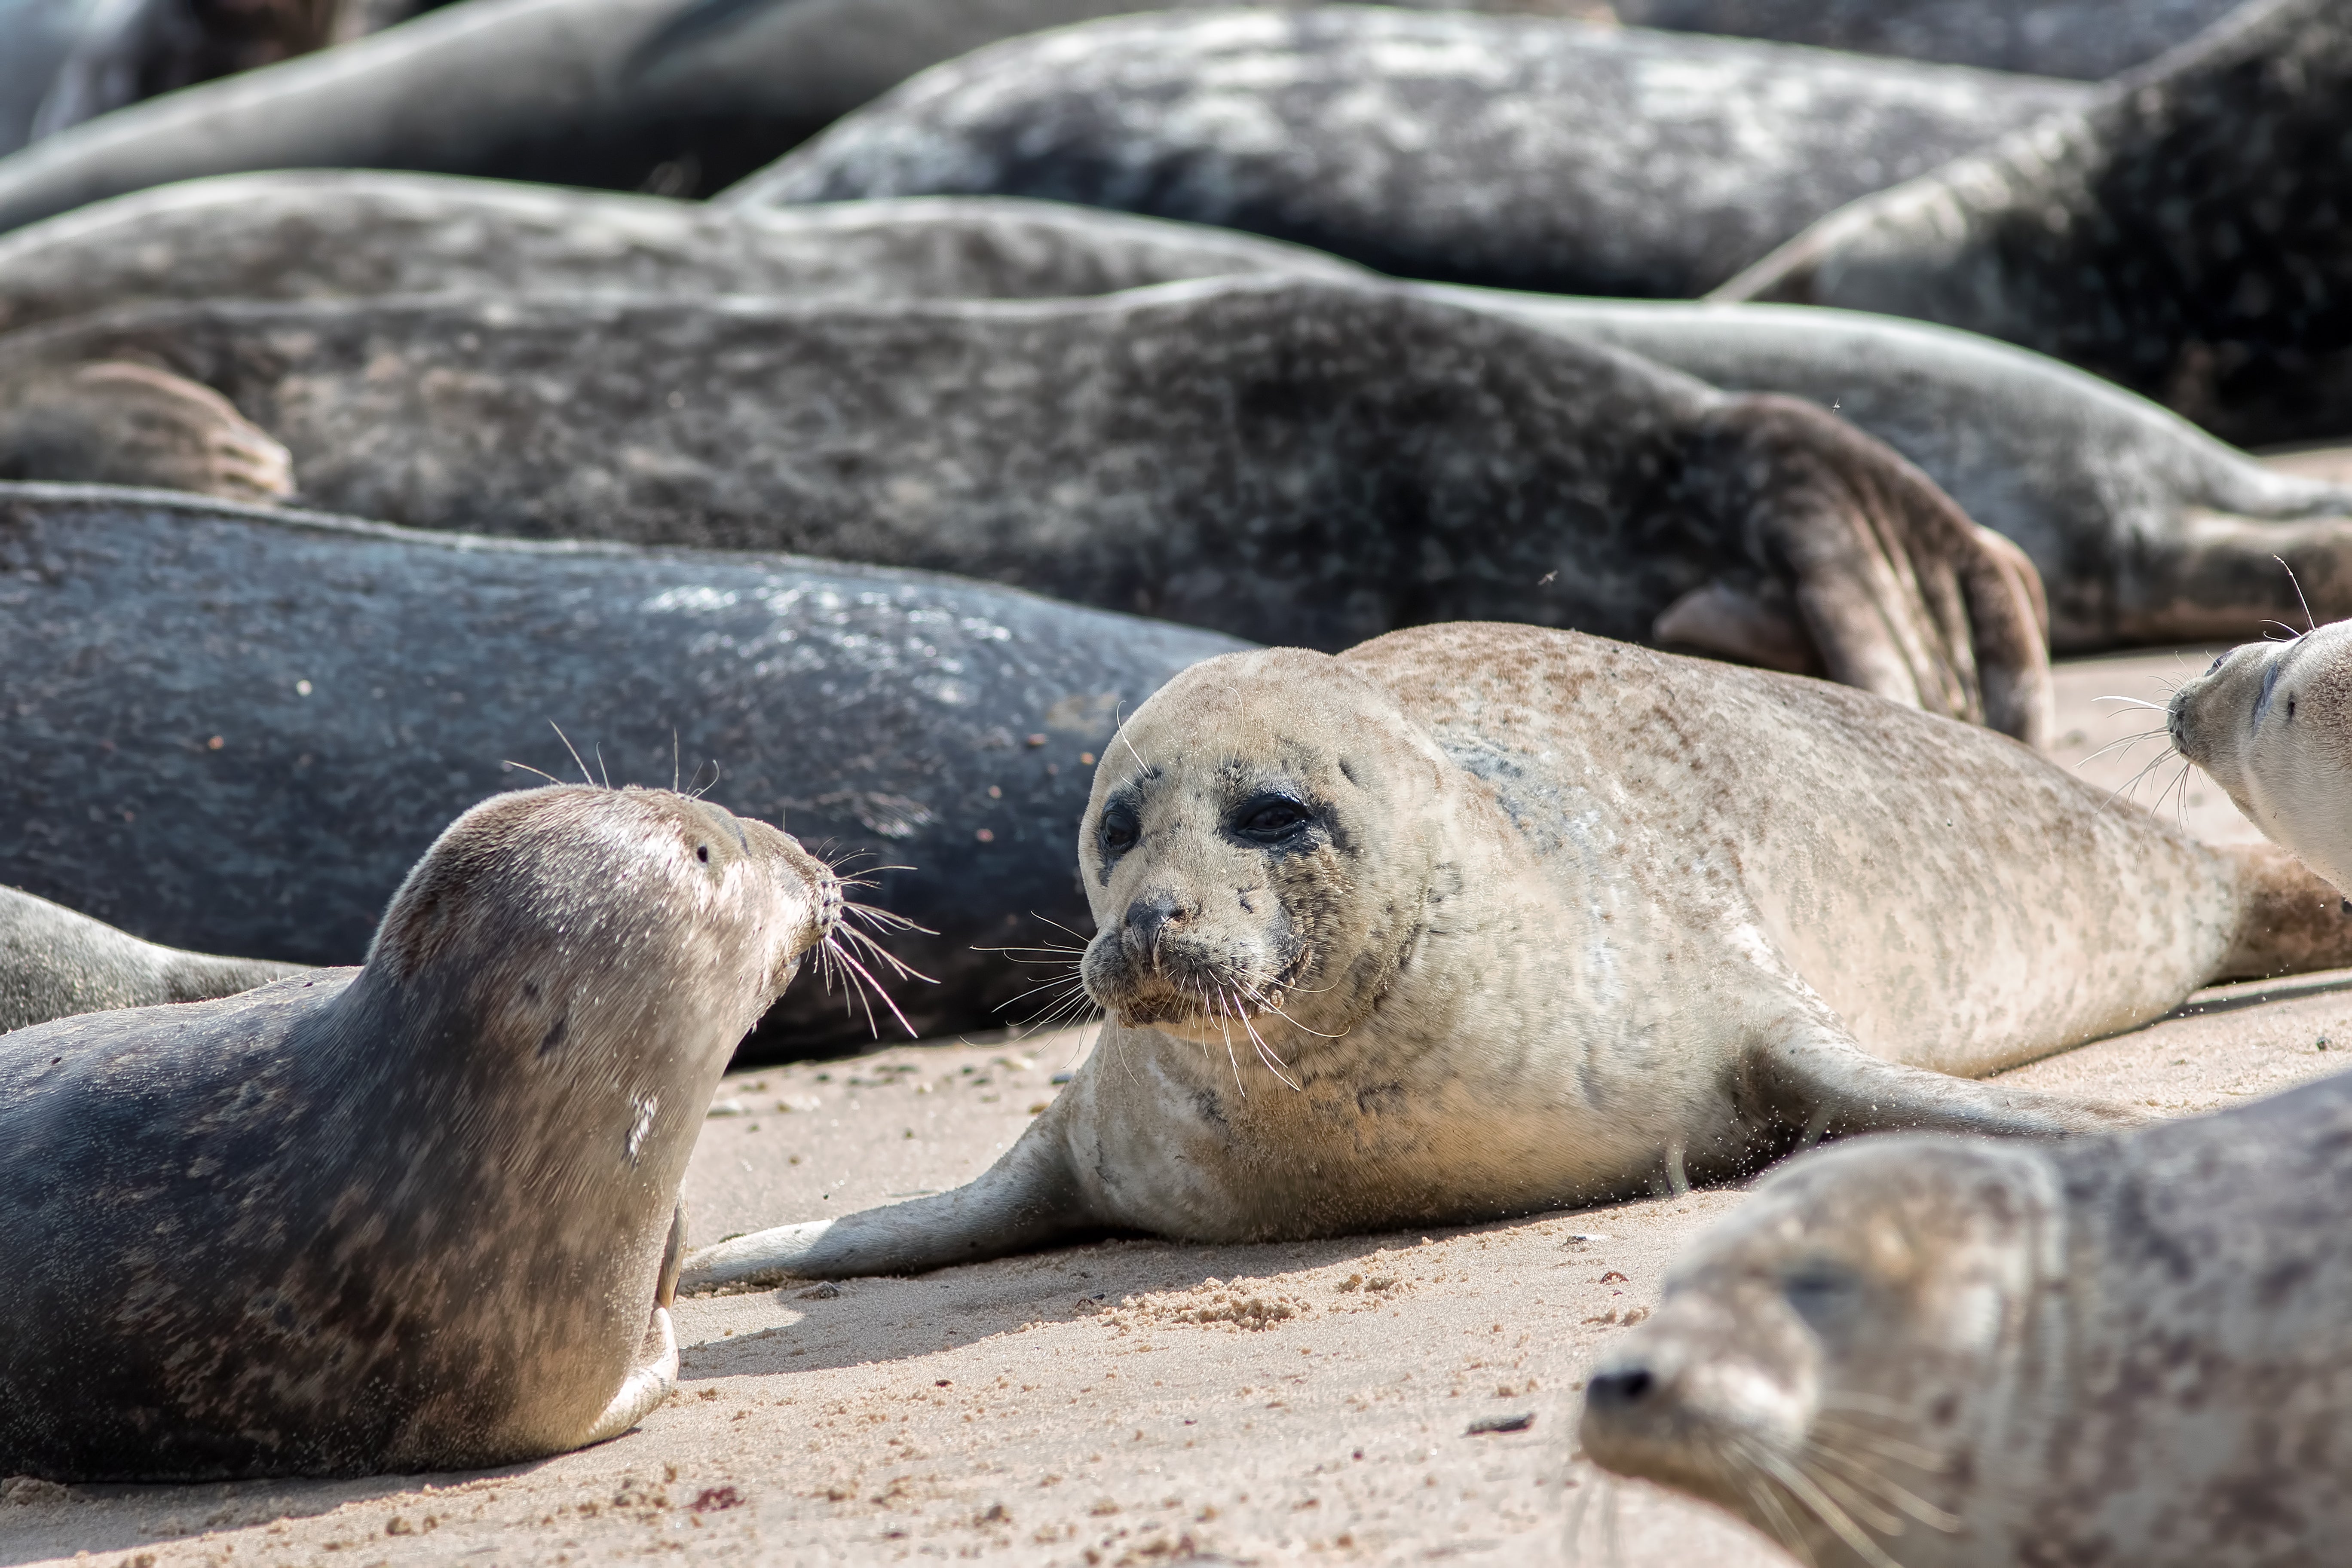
pixel 1474 920
pixel 417 1216
pixel 2271 722
pixel 55 963
pixel 1940 1353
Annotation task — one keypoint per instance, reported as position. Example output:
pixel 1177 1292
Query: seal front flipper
pixel 1030 1197
pixel 1899 591
pixel 118 423
pixel 1811 1077
pixel 642 1392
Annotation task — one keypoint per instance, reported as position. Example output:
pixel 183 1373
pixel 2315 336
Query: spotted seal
pixel 1280 458
pixel 2271 722
pixel 1475 920
pixel 1525 152
pixel 55 962
pixel 2181 235
pixel 1952 1353
pixel 418 1215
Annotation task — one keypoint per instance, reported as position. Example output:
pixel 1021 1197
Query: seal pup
pixel 1524 151
pixel 2182 236
pixel 1946 1352
pixel 1476 921
pixel 2144 528
pixel 55 963
pixel 2271 722
pixel 418 1215
pixel 275 714
pixel 2090 40
pixel 1274 457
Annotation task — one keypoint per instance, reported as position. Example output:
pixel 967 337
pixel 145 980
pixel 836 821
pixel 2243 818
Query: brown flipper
pixel 2291 920
pixel 119 423
pixel 1898 592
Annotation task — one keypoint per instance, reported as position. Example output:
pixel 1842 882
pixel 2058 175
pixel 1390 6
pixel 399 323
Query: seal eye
pixel 1120 829
pixel 702 853
pixel 1270 819
pixel 1822 1292
pixel 2218 660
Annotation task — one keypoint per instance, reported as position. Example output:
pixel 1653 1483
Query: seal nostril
pixel 1619 1389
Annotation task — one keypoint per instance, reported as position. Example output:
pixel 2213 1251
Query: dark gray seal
pixel 234 729
pixel 676 96
pixel 361 233
pixel 421 1215
pixel 2145 529
pixel 1283 459
pixel 55 963
pixel 1476 921
pixel 1524 151
pixel 2185 236
pixel 1950 1353
pixel 2091 39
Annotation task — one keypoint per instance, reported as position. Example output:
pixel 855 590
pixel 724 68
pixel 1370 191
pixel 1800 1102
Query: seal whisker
pixel 2127 744
pixel 568 746
pixel 2134 701
pixel 542 772
pixel 2309 619
pixel 1274 1064
pixel 1862 1510
pixel 1821 1505
pixel 1775 1513
pixel 1081 936
pixel 1867 1475
pixel 900 967
pixel 1895 1448
pixel 866 982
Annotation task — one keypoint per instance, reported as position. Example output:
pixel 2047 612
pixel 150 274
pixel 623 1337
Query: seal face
pixel 1947 1353
pixel 410 1216
pixel 2271 722
pixel 1474 920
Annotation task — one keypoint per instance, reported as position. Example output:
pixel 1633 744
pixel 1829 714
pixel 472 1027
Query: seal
pixel 55 963
pixel 1952 1353
pixel 2089 40
pixel 2179 236
pixel 2144 528
pixel 2271 722
pixel 261 784
pixel 359 234
pixel 677 97
pixel 435 1194
pixel 1298 459
pixel 1476 921
pixel 1523 152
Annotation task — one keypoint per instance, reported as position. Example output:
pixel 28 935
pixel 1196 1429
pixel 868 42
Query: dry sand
pixel 1133 1401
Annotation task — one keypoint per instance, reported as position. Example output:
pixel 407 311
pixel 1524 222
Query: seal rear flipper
pixel 1818 1081
pixel 648 1384
pixel 117 423
pixel 2291 919
pixel 1900 591
pixel 1028 1198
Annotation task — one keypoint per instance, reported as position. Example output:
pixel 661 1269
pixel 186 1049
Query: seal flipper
pixel 650 1383
pixel 1029 1198
pixel 1817 1079
pixel 117 423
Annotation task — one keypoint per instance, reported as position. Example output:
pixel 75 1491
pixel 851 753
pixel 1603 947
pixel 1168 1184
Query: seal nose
pixel 1619 1388
pixel 1151 916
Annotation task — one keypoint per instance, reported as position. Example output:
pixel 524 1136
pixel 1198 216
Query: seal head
pixel 2271 722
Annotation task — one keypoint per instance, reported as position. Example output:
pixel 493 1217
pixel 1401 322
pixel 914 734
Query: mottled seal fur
pixel 2271 722
pixel 1481 919
pixel 1304 460
pixel 2144 528
pixel 2092 39
pixel 55 962
pixel 1945 1353
pixel 1525 152
pixel 362 234
pixel 418 1215
pixel 209 746
pixel 2184 236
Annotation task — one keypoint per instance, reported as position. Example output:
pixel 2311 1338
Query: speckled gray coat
pixel 2187 236
pixel 1527 151
pixel 234 730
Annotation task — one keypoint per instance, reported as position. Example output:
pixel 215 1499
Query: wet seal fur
pixel 1950 1353
pixel 419 1216
pixel 2183 236
pixel 1280 458
pixel 1476 921
pixel 55 963
pixel 2271 722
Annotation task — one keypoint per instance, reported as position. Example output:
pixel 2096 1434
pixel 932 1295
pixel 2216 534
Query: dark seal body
pixel 55 962
pixel 1278 458
pixel 359 234
pixel 1524 151
pixel 234 730
pixel 418 1215
pixel 2130 1349
pixel 2184 235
